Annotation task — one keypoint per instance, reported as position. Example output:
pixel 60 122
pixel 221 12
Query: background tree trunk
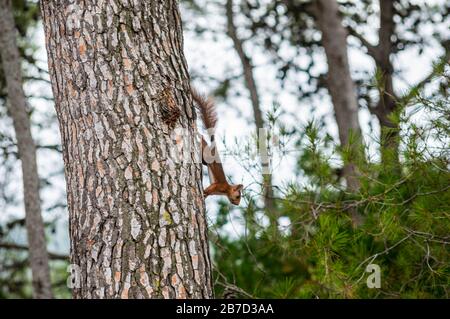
pixel 17 108
pixel 340 84
pixel 250 83
pixel 121 85
pixel 387 104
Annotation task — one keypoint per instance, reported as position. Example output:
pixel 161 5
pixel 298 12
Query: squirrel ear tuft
pixel 239 187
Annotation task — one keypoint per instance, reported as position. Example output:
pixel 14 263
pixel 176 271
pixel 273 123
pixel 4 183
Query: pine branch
pixel 371 49
pixel 54 256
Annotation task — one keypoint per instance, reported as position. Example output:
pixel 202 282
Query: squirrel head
pixel 234 194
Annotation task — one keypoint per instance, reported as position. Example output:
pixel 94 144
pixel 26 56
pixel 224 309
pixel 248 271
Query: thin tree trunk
pixel 250 83
pixel 390 140
pixel 137 217
pixel 387 104
pixel 17 108
pixel 340 84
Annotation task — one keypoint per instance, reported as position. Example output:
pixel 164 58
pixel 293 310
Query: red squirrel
pixel 210 157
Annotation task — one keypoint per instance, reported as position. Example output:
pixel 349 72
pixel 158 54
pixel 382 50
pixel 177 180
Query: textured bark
pixel 250 83
pixel 340 82
pixel 17 108
pixel 121 86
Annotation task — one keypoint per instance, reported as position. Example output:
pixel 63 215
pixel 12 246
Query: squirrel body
pixel 210 157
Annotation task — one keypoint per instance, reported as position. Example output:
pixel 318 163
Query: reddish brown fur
pixel 207 109
pixel 220 185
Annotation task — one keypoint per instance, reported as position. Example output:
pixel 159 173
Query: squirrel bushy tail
pixel 207 111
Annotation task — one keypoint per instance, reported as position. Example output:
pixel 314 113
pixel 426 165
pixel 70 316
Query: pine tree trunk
pixel 17 108
pixel 387 105
pixel 136 211
pixel 340 84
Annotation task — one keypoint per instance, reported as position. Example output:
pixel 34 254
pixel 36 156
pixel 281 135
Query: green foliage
pixel 26 15
pixel 15 276
pixel 405 228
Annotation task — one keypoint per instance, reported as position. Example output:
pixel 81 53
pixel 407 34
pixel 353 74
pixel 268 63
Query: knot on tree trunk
pixel 170 112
